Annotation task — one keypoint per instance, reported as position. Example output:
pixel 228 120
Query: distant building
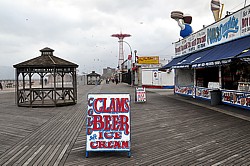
pixel 108 72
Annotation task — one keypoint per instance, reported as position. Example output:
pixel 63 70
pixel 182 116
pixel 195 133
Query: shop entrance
pixel 206 75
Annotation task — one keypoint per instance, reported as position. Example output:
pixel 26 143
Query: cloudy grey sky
pixel 80 30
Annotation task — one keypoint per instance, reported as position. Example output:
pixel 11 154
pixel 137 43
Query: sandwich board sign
pixel 108 122
pixel 140 94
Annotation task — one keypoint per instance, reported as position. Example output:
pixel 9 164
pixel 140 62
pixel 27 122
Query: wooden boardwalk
pixel 166 130
pixel 40 136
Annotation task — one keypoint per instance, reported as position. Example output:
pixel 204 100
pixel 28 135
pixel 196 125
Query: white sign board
pixel 140 94
pixel 108 123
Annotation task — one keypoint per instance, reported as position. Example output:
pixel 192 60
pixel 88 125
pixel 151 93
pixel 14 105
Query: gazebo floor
pixel 47 103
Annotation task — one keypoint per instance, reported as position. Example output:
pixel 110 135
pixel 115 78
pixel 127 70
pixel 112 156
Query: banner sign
pixel 140 94
pixel 245 21
pixel 108 123
pixel 229 28
pixel 148 60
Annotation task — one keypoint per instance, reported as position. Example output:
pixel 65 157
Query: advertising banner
pixel 245 21
pixel 232 27
pixel 108 123
pixel 224 30
pixel 194 42
pixel 148 60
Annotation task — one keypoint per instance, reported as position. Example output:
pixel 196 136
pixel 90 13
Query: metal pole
pixel 132 76
pixel 136 74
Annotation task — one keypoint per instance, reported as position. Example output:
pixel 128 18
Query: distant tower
pixel 121 54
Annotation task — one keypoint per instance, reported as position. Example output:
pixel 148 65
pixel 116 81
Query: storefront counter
pixel 230 97
pixel 199 92
pixel 202 92
pixel 185 90
pixel 236 98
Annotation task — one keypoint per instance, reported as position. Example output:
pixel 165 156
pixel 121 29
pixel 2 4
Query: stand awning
pixel 173 62
pixel 224 53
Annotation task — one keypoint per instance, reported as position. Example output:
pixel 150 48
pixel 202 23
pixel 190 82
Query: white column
pixel 220 78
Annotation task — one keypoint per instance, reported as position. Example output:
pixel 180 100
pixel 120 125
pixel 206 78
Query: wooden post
pixel 54 86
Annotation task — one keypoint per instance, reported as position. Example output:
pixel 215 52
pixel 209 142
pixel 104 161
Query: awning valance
pixel 192 58
pixel 224 53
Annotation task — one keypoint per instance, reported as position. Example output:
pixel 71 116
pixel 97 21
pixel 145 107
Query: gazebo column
pixel 42 75
pixel 74 85
pixel 23 80
pixel 30 87
pixel 54 86
pixel 17 87
pixel 63 90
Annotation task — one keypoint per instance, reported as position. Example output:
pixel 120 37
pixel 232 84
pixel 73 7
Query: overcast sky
pixel 80 30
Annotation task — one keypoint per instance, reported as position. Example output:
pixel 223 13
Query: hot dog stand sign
pixel 108 123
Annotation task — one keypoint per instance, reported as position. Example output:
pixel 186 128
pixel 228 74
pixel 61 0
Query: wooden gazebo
pixel 93 78
pixel 33 88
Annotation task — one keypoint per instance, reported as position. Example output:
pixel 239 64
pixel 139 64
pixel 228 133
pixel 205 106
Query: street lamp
pixel 136 74
pixel 132 76
pixel 135 55
pixel 129 48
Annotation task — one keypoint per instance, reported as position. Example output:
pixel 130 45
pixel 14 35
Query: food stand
pixel 218 53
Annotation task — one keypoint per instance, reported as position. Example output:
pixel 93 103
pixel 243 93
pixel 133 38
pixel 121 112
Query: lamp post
pixel 136 74
pixel 135 55
pixel 132 75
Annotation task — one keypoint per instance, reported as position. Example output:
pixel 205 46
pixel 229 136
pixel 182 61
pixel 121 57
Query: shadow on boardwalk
pixel 166 130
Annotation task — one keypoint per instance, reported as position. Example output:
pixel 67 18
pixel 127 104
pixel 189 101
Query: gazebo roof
pixel 93 74
pixel 47 59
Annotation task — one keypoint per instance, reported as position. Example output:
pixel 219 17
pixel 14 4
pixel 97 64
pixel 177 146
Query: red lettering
pixel 107 119
pixel 116 105
pixel 124 124
pixel 125 144
pixel 110 144
pixel 112 105
pixel 93 145
pixel 117 145
pixel 117 135
pixel 111 123
pixel 244 22
pixel 122 105
pixel 102 144
pixel 89 131
pixel 89 101
pixel 89 121
pixel 90 112
pixel 102 101
pixel 108 135
pixel 116 122
pixel 100 135
pixel 98 124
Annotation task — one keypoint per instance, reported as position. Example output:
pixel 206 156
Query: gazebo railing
pixel 46 96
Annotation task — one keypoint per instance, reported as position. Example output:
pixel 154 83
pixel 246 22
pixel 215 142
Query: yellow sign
pixel 148 60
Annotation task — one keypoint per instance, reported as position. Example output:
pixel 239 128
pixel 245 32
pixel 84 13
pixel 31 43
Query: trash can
pixel 215 97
